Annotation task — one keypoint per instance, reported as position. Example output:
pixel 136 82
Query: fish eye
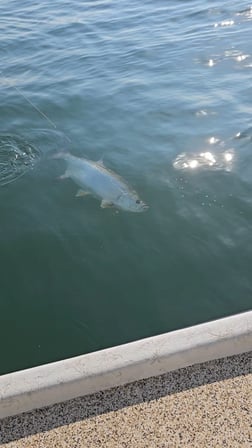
pixel 137 201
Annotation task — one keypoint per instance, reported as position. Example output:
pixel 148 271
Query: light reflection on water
pixel 162 92
pixel 208 160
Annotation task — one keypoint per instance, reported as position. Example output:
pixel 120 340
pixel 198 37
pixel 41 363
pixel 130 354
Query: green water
pixel 159 90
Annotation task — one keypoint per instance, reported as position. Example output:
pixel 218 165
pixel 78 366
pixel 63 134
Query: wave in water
pixel 17 156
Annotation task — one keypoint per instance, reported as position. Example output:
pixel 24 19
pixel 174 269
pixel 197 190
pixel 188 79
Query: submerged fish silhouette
pixel 94 178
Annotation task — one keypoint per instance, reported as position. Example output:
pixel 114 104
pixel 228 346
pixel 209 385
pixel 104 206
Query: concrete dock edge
pixel 83 375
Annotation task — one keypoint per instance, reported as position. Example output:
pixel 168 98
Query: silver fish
pixel 94 178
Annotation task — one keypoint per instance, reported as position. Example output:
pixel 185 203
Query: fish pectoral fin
pixel 81 193
pixel 63 176
pixel 106 204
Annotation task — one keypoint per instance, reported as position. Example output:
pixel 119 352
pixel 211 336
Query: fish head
pixel 131 203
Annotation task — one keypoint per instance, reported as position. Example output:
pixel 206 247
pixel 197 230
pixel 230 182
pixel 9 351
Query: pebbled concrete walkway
pixel 205 405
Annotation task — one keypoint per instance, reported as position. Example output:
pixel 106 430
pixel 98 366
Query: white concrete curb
pixel 59 381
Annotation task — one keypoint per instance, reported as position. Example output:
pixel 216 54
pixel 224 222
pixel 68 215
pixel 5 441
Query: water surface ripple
pixel 162 92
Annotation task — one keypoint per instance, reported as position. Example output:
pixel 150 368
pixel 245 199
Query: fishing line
pixel 17 156
pixel 26 98
pixel 35 107
pixel 30 102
